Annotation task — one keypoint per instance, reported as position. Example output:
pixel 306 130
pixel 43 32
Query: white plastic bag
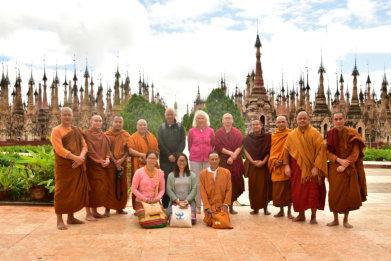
pixel 180 217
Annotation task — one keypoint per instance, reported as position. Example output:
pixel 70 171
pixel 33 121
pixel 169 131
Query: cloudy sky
pixel 181 44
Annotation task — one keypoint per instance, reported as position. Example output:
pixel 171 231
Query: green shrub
pixel 377 155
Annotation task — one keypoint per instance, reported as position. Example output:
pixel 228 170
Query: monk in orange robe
pixel 71 188
pixel 140 143
pixel 98 159
pixel 305 161
pixel 118 167
pixel 215 186
pixel 257 149
pixel 281 184
pixel 348 188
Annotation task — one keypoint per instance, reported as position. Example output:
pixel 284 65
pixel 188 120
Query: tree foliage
pixel 217 104
pixel 139 108
pixel 187 121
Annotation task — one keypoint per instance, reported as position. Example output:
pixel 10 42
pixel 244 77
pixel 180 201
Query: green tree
pixel 139 108
pixel 187 121
pixel 217 104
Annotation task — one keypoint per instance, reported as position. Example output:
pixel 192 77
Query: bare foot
pixel 290 215
pixel 232 211
pixel 299 218
pixel 333 223
pixel 347 225
pixel 61 226
pixel 90 218
pixel 313 221
pixel 122 212
pixel 265 212
pixel 107 213
pixel 254 212
pixel 279 214
pixel 97 215
pixel 74 221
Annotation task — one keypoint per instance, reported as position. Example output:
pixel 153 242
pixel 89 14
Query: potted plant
pixel 39 167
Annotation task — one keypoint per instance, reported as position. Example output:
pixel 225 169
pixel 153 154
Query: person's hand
pixel 171 158
pixel 183 204
pixel 288 171
pixel 260 163
pixel 343 162
pixel 314 172
pixel 277 163
pixel 154 200
pixel 341 169
pixel 225 208
pixel 105 162
pixel 77 162
pixel 143 159
pixel 230 161
pixel 234 156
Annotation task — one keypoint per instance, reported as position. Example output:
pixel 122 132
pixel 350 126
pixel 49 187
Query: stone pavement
pixel 29 233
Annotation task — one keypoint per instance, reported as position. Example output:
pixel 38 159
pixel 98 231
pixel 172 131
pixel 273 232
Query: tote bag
pixel 180 217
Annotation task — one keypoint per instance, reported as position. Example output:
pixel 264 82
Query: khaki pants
pixel 197 167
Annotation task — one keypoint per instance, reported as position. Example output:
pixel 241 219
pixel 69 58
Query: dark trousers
pixel 167 168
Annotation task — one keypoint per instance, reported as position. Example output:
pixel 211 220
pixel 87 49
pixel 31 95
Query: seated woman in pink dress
pixel 148 187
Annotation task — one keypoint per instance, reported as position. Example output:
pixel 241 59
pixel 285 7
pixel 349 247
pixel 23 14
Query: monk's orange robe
pixel 142 145
pixel 303 152
pixel 71 186
pixel 347 189
pixel 281 192
pixel 98 150
pixel 119 144
pixel 215 192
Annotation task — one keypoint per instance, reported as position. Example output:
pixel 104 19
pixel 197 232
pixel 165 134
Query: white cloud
pixel 363 10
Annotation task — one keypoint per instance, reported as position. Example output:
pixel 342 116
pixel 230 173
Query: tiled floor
pixel 29 233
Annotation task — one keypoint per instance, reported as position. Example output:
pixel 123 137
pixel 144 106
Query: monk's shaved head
pixel 302 113
pixel 96 122
pixel 118 117
pixel 281 123
pixel 96 117
pixel 118 123
pixel 256 126
pixel 141 121
pixel 255 122
pixel 339 120
pixel 227 121
pixel 66 109
pixel 142 126
pixel 303 120
pixel 66 116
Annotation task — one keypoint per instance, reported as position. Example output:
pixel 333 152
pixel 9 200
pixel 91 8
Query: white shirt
pixel 214 172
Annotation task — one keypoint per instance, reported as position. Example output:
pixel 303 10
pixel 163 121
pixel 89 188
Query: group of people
pixel 286 167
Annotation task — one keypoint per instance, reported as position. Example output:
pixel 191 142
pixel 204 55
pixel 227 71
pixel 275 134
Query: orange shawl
pixel 98 145
pixel 138 143
pixel 309 150
pixel 276 153
pixel 120 142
